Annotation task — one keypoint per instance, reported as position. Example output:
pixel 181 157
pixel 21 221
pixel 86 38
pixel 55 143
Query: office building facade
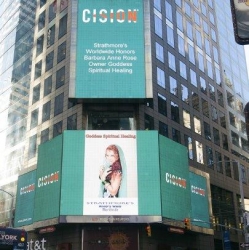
pixel 192 88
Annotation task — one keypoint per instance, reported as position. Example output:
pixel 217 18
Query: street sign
pixel 244 244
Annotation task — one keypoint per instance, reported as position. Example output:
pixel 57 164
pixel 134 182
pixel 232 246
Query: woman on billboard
pixel 111 173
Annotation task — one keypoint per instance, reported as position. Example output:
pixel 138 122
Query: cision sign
pixel 110 50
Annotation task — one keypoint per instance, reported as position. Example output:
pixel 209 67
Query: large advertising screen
pixel 110 50
pixel 240 13
pixel 25 199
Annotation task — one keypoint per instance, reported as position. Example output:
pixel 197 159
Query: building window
pixel 163 129
pixel 179 21
pixel 41 20
pixel 60 77
pixel 233 120
pixel 162 104
pixel 63 5
pixel 227 162
pixel 181 45
pixel 62 26
pixel 188 9
pixel 203 9
pixel 176 135
pixel 148 122
pixel 159 52
pixel 61 55
pixel 49 61
pixel 217 75
pixel 198 39
pixel 213 35
pixel 51 36
pixel 218 160
pixel 32 146
pixel 58 104
pixel 168 10
pixel 215 52
pixel 186 119
pixel 203 86
pixel 207 47
pixel 210 158
pixel 46 111
pixel 42 3
pixel 44 135
pixel 57 129
pixel 245 145
pixel 199 152
pixel 34 118
pixel 222 119
pixel 220 98
pixel 189 145
pixel 183 70
pixel 214 114
pixel 207 131
pixel 173 86
pixel 197 19
pixel 216 135
pixel 191 54
pixel 170 36
pixel 38 69
pixel 205 109
pixel 72 122
pixel 160 77
pixel 39 46
pixel 197 124
pixel 184 94
pixel 224 141
pixel 52 11
pixel 158 26
pixel 189 30
pixel 36 93
pixel 179 2
pixel 211 18
pixel 193 78
pixel 48 86
pixel 175 112
pixel 205 27
pixel 201 61
pixel 210 69
pixel 157 4
pixel 172 61
pixel 195 101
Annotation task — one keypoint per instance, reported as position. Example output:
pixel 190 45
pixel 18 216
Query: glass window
pixel 63 26
pixel 203 85
pixel 46 111
pixel 197 125
pixel 213 35
pixel 244 145
pixel 189 31
pixel 44 135
pixel 211 18
pixel 176 135
pixel 191 54
pixel 159 52
pixel 184 94
pixel 205 27
pixel 157 4
pixel 217 76
pixel 210 158
pixel 222 119
pixel 181 46
pixel 228 170
pixel 32 146
pixel 205 109
pixel 58 104
pixel 57 130
pixel 160 77
pixel 175 112
pixel 36 93
pixel 210 69
pixel 212 92
pixel 63 5
pixel 224 141
pixel 197 19
pixel 230 100
pixel 163 129
pixel 41 20
pixel 51 36
pixel 61 55
pixel 179 2
pixel 52 11
pixel 148 122
pixel 60 77
pixel 173 86
pixel 201 61
pixel 179 21
pixel 170 36
pixel 189 145
pixel 188 9
pixel 49 60
pixel 214 114
pixel 199 152
pixel 48 86
pixel 195 101
pixel 172 62
pixel 193 78
pixel 218 160
pixel 72 122
pixel 220 98
pixel 207 47
pixel 203 9
pixel 38 69
pixel 186 119
pixel 168 10
pixel 183 70
pixel 233 120
pixel 34 118
pixel 39 46
pixel 216 136
pixel 198 38
pixel 158 26
pixel 207 131
pixel 216 56
pixel 196 3
pixel 42 3
pixel 162 104
pixel 210 3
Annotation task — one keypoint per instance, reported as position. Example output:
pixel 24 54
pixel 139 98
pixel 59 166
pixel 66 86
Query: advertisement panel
pixel 113 176
pixel 25 199
pixel 110 50
pixel 199 201
pixel 48 180
pixel 175 186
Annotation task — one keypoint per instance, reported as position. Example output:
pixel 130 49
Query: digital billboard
pixel 48 180
pixel 110 50
pixel 25 199
pixel 240 13
pixel 199 200
pixel 175 186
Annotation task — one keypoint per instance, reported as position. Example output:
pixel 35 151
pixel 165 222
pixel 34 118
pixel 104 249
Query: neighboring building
pixel 199 91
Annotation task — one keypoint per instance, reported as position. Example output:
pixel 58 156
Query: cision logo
pixel 176 180
pixel 27 189
pixel 110 16
pixel 48 179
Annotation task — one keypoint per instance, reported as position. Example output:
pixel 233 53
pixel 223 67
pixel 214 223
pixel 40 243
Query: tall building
pixel 177 71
